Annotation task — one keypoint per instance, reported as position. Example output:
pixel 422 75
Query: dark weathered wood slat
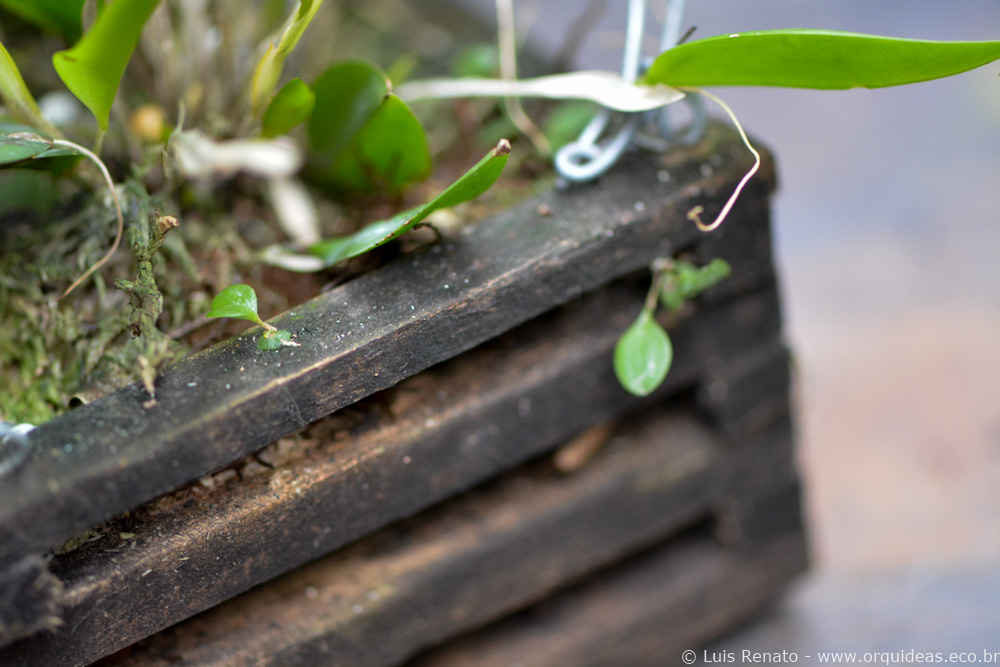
pixel 483 555
pixel 28 598
pixel 435 435
pixel 221 404
pixel 644 614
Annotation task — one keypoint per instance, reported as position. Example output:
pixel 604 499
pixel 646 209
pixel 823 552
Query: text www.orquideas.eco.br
pixel 908 657
pixel 869 658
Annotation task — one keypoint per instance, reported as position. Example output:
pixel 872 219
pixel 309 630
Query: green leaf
pixel 271 64
pixel 20 142
pixel 271 340
pixel 17 98
pixel 93 68
pixel 389 152
pixel 470 185
pixel 62 16
pixel 643 355
pixel 239 301
pixel 291 106
pixel 815 59
pixel 686 281
pixel 21 146
pixel 694 280
pixel 347 95
pixel 360 137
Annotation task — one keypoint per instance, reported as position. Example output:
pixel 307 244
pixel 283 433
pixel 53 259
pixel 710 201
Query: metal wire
pixel 588 157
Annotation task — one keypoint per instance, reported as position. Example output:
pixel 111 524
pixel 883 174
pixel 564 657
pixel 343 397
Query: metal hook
pixel 587 158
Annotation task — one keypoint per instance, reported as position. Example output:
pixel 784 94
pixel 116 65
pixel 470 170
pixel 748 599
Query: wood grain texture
pixel 645 613
pixel 429 438
pixel 487 553
pixel 219 405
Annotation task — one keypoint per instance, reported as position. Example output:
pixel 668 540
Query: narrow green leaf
pixel 389 152
pixel 297 26
pixel 62 16
pixel 269 69
pixel 93 68
pixel 17 98
pixel 470 185
pixel 271 340
pixel 347 94
pixel 291 106
pixel 239 301
pixel 643 355
pixel 815 59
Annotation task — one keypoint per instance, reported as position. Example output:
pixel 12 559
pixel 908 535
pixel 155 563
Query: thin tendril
pixel 118 210
pixel 695 213
pixel 508 70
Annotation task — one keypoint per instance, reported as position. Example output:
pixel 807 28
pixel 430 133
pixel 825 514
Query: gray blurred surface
pixel 888 233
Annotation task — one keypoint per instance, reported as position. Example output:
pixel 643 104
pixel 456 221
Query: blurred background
pixel 888 233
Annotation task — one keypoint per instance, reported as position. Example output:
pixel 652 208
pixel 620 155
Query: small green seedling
pixel 644 352
pixel 240 301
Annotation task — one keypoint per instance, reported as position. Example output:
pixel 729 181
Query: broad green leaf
pixel 21 146
pixel 239 301
pixel 62 16
pixel 470 185
pixel 291 106
pixel 643 355
pixel 20 142
pixel 269 68
pixel 93 68
pixel 389 152
pixel 17 98
pixel 815 59
pixel 271 340
pixel 347 94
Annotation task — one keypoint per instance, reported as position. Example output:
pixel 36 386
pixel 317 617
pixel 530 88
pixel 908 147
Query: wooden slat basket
pixel 446 471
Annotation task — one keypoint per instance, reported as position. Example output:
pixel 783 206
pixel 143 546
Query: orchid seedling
pixel 240 301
